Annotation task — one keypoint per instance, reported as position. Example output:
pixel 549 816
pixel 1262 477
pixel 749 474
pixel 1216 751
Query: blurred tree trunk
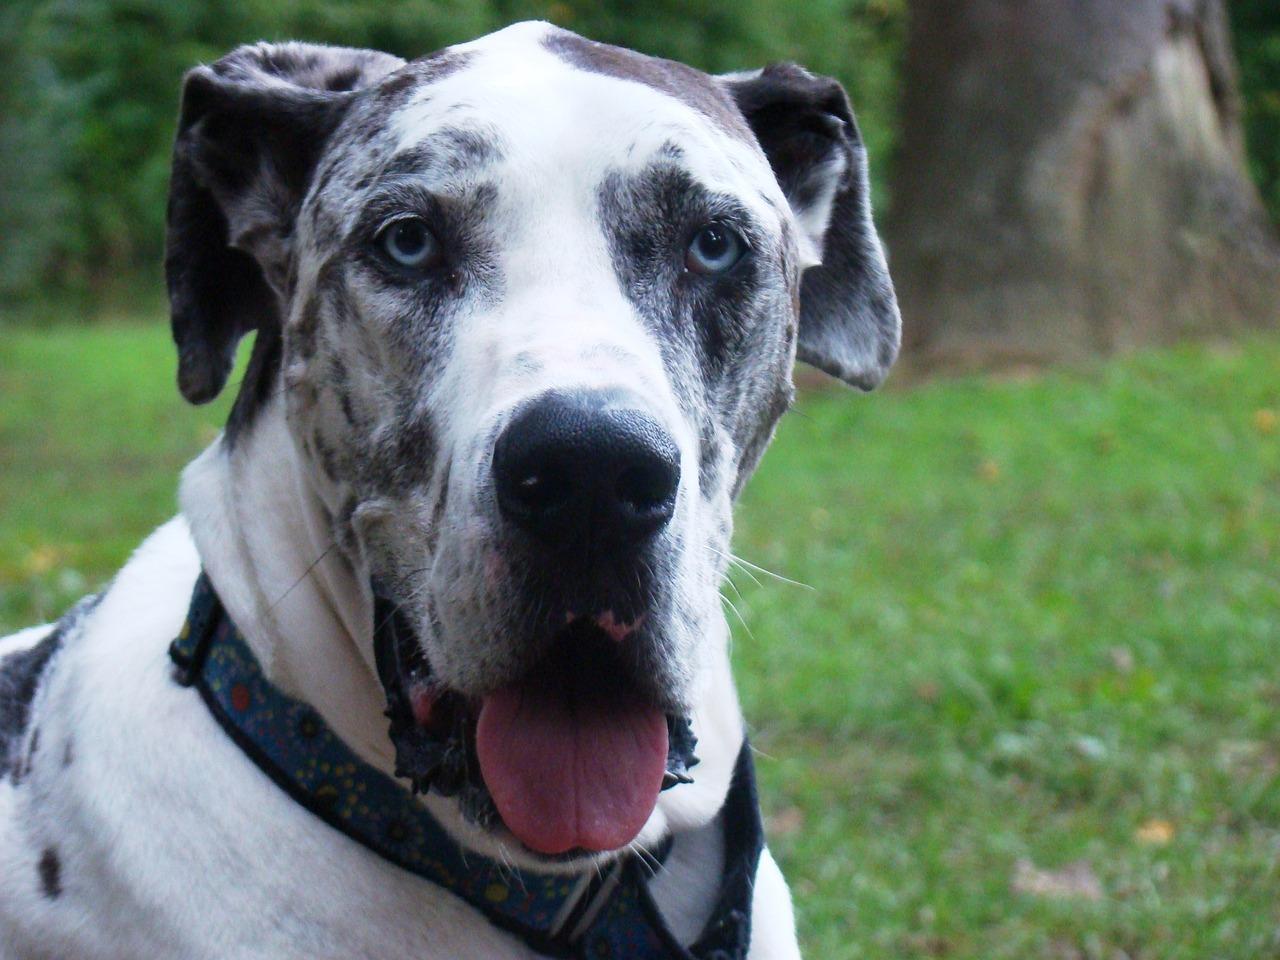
pixel 1072 179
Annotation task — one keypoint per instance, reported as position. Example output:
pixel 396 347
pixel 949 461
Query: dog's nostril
pixel 648 489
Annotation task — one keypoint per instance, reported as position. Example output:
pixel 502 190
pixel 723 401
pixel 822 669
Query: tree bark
pixel 1072 180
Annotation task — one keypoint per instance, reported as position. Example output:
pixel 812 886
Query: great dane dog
pixel 433 663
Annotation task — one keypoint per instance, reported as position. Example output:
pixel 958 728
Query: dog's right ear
pixel 250 131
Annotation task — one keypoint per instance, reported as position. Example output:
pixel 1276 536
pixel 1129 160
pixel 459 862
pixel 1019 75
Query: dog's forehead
pixel 536 96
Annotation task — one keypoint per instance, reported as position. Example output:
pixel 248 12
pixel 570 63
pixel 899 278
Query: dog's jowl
pixel 433 662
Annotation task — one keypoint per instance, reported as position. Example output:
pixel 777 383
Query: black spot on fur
pixel 396 87
pixel 402 84
pixel 343 532
pixel 709 452
pixel 690 86
pixel 437 509
pixel 68 753
pixel 338 373
pixel 23 765
pixel 260 382
pixel 325 173
pixel 328 458
pixel 20 675
pixel 303 333
pixel 348 410
pixel 417 449
pixel 406 458
pixel 50 870
pixel 343 80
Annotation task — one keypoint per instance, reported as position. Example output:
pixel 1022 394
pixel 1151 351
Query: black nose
pixel 586 468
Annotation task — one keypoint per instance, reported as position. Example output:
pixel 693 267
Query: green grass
pixel 93 434
pixel 1043 626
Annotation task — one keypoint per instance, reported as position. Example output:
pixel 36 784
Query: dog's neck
pixel 264 537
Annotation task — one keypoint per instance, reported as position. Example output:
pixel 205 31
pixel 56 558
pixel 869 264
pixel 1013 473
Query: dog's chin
pixel 564 764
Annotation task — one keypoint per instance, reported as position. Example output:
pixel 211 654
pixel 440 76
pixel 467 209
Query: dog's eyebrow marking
pixel 449 151
pixel 50 870
pixel 691 87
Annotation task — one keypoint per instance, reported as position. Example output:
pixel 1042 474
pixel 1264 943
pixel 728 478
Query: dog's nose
pixel 586 468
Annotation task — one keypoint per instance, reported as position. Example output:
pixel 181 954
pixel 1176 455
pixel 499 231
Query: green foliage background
pixel 89 95
pixel 1257 32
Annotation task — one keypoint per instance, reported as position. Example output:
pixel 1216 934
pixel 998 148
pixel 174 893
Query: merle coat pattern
pixel 564 186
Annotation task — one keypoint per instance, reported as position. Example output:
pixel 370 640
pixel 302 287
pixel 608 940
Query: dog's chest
pixel 139 829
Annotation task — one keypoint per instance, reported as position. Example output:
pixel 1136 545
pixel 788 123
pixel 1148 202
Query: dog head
pixel 532 304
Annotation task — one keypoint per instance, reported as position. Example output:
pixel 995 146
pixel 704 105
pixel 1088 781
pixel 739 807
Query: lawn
pixel 1025 701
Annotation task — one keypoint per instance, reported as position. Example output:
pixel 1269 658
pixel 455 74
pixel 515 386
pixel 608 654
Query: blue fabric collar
pixel 609 915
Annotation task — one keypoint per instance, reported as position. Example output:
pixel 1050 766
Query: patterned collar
pixel 600 915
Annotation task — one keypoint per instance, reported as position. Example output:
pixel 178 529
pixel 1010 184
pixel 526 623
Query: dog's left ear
pixel 251 128
pixel 849 322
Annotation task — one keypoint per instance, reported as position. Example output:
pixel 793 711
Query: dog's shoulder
pixel 73 697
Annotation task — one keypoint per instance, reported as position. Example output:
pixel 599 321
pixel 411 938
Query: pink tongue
pixel 571 768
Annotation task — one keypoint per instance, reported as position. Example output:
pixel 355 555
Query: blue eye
pixel 714 249
pixel 409 243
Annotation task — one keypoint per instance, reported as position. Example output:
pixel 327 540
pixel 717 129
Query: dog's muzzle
pixel 570 749
pixel 569 758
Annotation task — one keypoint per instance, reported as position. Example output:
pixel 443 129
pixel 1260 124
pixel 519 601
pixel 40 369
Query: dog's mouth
pixel 570 758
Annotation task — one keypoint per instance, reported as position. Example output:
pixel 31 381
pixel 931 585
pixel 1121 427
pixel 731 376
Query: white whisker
pixel 769 573
pixel 738 614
